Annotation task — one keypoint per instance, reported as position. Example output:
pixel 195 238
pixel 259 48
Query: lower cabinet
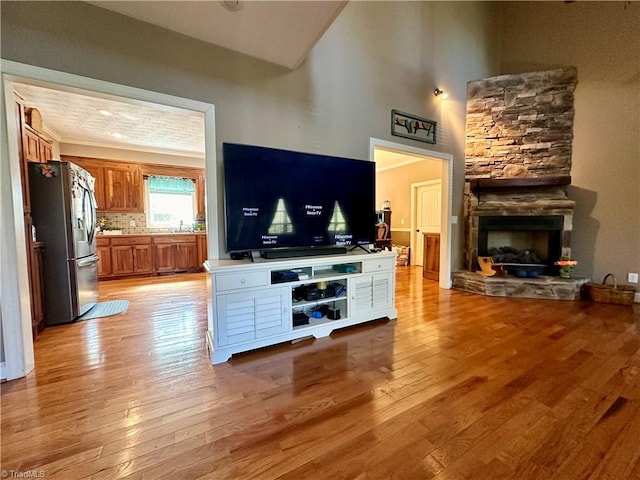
pixel 175 253
pixel 131 255
pixel 103 250
pixel 253 314
pixel 37 289
pixel 164 258
pixel 149 254
pixel 202 249
pixel 370 293
pixel 126 260
pixel 252 305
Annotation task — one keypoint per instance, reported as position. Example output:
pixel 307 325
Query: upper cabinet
pixel 36 147
pixel 123 188
pixel 96 168
pixel 119 185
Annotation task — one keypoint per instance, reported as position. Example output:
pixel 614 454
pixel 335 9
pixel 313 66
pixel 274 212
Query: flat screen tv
pixel 277 199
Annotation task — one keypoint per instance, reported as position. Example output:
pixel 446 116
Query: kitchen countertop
pixel 155 234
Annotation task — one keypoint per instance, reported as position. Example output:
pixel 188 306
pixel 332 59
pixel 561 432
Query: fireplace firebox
pixel 538 237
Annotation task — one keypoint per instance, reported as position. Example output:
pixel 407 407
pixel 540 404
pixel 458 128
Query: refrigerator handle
pixel 88 261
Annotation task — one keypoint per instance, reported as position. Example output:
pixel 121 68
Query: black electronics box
pixel 333 314
pixel 282 276
pixel 306 292
pixel 300 318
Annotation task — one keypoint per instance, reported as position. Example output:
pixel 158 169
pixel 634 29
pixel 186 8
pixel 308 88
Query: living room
pixel 374 57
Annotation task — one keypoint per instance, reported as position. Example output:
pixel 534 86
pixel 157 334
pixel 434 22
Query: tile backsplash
pixel 122 221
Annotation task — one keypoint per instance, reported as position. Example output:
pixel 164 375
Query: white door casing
pixel 15 310
pixel 446 161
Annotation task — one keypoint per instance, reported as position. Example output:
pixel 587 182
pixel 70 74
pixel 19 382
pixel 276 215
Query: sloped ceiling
pixel 280 32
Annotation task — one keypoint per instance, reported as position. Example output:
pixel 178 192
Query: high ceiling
pixel 278 32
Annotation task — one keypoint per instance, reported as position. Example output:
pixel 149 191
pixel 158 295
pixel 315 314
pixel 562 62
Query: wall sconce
pixel 440 93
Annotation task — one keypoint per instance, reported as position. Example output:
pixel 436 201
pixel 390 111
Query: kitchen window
pixel 170 202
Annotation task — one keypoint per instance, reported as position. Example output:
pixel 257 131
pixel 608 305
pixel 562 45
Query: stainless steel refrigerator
pixel 63 208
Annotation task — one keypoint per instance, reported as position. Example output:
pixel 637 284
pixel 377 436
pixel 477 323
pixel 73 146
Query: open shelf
pixel 299 276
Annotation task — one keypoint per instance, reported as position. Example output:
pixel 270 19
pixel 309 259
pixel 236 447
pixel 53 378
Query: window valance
pixel 161 184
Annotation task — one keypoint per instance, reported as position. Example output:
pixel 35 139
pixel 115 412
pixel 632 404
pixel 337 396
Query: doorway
pixel 426 208
pixel 15 311
pixel 444 175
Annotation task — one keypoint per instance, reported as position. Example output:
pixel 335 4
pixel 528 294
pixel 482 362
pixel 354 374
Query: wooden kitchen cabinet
pixel 103 248
pixel 45 150
pixel 131 255
pixel 122 256
pixel 35 147
pixel 123 188
pixel 118 186
pixel 37 288
pixel 96 169
pixel 202 249
pixel 175 253
pixel 30 145
pixel 142 259
pixel 186 256
pixel 164 258
pixel 431 259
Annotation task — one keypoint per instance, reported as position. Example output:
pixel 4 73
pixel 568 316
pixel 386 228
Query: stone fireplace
pixel 517 170
pixel 529 214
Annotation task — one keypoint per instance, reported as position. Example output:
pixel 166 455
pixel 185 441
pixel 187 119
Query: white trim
pixel 401 229
pixel 447 197
pixel 15 308
pixel 3 367
pixel 399 164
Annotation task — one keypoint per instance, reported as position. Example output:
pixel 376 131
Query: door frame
pixel 446 176
pixel 15 309
pixel 414 209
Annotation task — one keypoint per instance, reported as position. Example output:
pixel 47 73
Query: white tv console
pixel 250 308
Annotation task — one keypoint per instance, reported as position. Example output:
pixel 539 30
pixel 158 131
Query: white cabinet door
pixel 369 292
pixel 246 316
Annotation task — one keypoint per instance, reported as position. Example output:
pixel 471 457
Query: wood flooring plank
pixel 460 386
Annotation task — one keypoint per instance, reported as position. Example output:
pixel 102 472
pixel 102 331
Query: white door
pixel 428 214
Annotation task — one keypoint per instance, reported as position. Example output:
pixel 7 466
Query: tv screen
pixel 277 198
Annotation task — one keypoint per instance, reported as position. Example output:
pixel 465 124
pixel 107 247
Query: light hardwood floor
pixel 460 386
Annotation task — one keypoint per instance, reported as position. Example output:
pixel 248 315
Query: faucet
pixel 180 226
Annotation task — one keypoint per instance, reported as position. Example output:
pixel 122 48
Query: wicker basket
pixel 618 294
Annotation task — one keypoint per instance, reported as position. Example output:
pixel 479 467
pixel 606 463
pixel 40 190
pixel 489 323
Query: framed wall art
pixel 410 126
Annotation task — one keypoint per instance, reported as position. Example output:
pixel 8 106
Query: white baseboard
pixel 3 366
